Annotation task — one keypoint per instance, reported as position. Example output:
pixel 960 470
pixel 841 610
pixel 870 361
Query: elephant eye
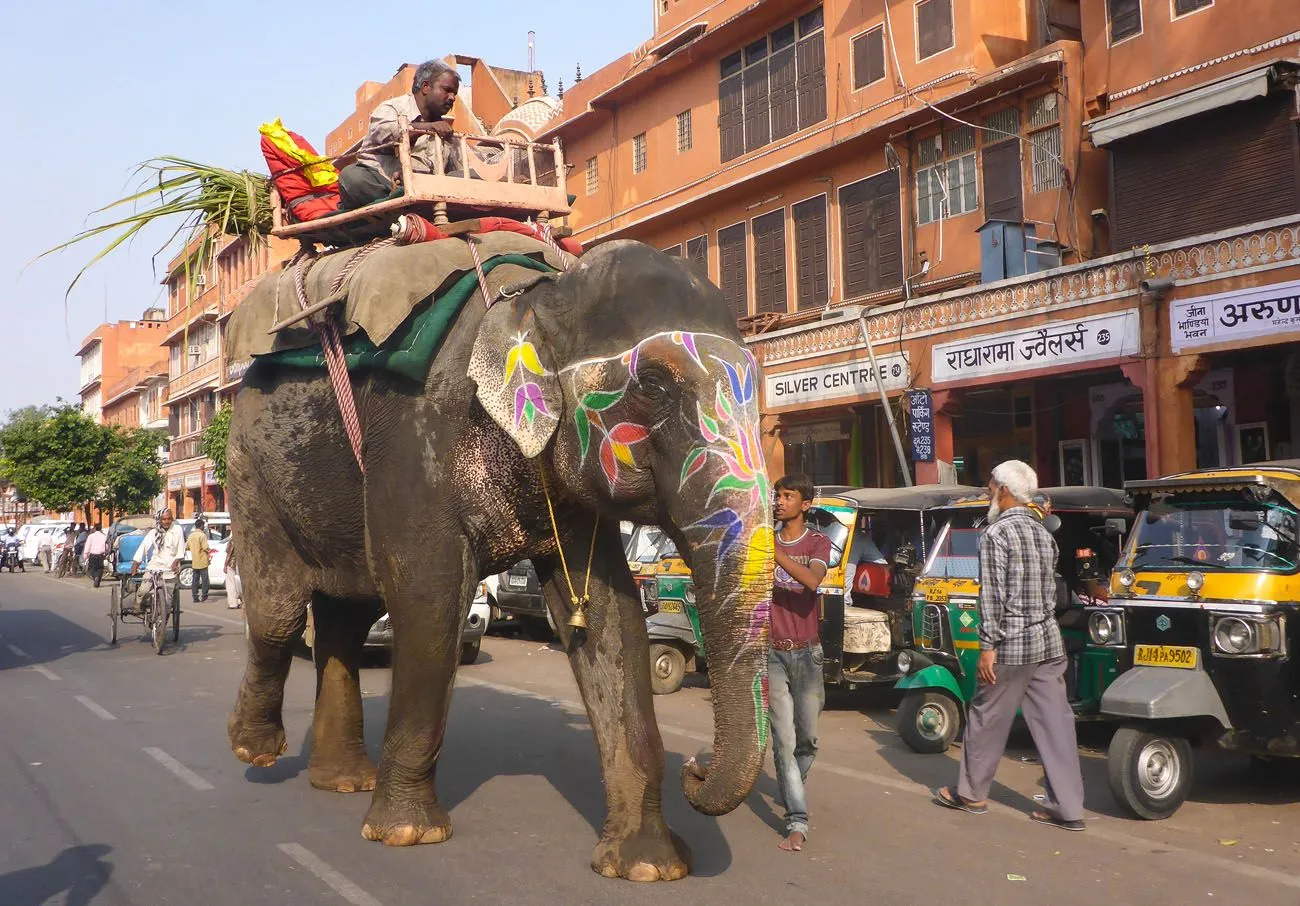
pixel 653 387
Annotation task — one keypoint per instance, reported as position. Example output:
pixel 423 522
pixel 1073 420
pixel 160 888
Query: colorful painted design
pixel 761 709
pixel 529 400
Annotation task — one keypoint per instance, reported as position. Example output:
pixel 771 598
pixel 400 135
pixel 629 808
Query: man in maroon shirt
pixel 795 688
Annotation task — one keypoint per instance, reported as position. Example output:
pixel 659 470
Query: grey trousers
pixel 1038 690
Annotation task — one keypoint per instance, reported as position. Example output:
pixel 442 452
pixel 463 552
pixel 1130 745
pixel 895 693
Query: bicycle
pixel 153 608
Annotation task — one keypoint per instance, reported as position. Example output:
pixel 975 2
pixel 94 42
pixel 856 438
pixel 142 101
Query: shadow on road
pixel 78 871
pixel 45 637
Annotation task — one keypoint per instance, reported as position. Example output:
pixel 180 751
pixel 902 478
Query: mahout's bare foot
pixel 792 843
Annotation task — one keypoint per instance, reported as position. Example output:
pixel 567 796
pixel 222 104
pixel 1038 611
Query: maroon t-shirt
pixel 794 608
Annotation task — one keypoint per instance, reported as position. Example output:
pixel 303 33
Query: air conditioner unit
pixel 195 350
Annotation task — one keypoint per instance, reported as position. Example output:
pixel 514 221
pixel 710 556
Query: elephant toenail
pixel 643 872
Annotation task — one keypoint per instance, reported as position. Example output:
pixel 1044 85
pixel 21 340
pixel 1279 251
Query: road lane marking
pixel 1137 845
pixel 321 869
pixel 171 764
pixel 95 709
pixel 46 672
pixel 17 652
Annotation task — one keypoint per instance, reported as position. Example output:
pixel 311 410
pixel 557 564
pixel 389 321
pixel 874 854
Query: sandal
pixel 948 797
pixel 1055 820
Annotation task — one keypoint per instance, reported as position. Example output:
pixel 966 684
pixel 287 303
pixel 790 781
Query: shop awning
pixel 1243 86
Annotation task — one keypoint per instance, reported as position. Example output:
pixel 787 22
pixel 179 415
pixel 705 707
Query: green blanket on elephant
pixel 410 349
pixel 394 309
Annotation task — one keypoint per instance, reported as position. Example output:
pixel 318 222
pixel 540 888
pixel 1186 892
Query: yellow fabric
pixel 198 545
pixel 319 170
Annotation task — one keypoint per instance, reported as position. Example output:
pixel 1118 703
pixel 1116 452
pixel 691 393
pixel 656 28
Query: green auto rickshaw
pixel 938 671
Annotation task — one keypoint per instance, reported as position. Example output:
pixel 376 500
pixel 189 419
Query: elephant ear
pixel 515 385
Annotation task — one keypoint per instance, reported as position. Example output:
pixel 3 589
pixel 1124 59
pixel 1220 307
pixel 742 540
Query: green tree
pixel 215 438
pixel 130 477
pixel 54 456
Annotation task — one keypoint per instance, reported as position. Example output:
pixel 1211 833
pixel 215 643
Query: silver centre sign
pixel 851 381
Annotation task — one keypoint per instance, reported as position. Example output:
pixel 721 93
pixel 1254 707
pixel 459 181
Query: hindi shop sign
pixel 1238 315
pixel 825 383
pixel 1097 338
pixel 921 425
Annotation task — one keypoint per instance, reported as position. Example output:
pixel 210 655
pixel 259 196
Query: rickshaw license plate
pixel 668 605
pixel 1165 656
pixel 937 595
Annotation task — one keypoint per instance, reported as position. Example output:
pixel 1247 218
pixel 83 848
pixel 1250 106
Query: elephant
pixel 619 389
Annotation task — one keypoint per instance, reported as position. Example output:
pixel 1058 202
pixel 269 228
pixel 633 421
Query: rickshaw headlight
pixel 1127 578
pixel 1195 582
pixel 1233 635
pixel 690 596
pixel 1105 628
pixel 904 662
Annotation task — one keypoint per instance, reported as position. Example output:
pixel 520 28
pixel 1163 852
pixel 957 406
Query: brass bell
pixel 579 618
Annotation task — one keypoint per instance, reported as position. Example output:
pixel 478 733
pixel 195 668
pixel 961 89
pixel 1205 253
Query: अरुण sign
pixel 846 381
pixel 920 405
pixel 1095 338
pixel 1241 314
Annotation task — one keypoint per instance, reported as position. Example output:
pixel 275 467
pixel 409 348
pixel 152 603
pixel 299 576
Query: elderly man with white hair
pixel 1022 658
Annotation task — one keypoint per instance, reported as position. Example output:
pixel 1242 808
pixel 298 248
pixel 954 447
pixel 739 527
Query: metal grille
pixel 593 176
pixel 1046 158
pixel 961 140
pixel 1002 125
pixel 1044 111
pixel 685 140
pixel 934 624
pixel 638 153
pixel 930 150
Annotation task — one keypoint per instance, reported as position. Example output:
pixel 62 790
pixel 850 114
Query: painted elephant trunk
pixel 735 593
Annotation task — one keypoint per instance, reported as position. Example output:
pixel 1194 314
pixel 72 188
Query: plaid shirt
pixel 1018 590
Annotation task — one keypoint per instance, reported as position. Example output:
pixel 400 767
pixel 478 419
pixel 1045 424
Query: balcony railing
pixel 186 447
pixel 206 371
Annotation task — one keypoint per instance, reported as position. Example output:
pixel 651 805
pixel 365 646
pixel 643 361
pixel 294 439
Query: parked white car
pixel 31 543
pixel 218 529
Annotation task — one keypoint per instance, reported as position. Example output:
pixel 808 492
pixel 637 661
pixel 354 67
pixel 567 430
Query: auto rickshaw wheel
pixel 667 669
pixel 1150 774
pixel 929 721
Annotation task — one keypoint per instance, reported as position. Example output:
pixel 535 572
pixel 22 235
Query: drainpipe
pixel 884 400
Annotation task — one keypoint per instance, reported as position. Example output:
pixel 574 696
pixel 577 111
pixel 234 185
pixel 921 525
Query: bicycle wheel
pixel 114 613
pixel 158 614
pixel 176 614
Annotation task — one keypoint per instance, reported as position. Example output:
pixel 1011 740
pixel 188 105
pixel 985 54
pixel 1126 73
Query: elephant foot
pixel 419 822
pixel 643 856
pixel 353 774
pixel 259 746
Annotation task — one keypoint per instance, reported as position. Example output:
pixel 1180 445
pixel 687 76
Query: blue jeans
pixel 796 695
pixel 200 584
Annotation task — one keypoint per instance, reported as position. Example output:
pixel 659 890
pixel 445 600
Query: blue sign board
pixel 921 422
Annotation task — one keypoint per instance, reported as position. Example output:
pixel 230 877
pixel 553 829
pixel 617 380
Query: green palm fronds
pixel 206 201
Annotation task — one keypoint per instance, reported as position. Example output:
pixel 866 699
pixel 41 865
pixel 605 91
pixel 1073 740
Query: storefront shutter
pixel 769 263
pixel 1225 168
pixel 733 278
pixel 810 253
pixel 812 79
pixel 731 117
pixel 871 235
pixel 1003 191
pixel 781 85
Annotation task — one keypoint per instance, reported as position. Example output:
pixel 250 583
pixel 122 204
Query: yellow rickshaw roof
pixel 919 497
pixel 1280 476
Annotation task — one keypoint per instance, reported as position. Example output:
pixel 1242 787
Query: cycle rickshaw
pixel 154 604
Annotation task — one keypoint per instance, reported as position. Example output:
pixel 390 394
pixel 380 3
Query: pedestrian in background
pixel 1022 658
pixel 197 544
pixel 796 691
pixel 45 549
pixel 234 590
pixel 80 549
pixel 96 548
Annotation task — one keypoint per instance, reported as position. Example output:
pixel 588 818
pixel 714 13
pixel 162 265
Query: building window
pixel 675 250
pixel 1045 141
pixel 638 153
pixel 869 57
pixel 1183 7
pixel 871 235
pixel 812 289
pixel 593 175
pixel 946 184
pixel 934 31
pixel 732 271
pixel 1125 18
pixel 685 140
pixel 697 252
pixel 769 263
pixel 773 87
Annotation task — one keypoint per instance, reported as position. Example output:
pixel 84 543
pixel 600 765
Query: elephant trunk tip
pixel 711 792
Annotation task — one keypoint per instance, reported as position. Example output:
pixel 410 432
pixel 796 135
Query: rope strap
pixel 579 604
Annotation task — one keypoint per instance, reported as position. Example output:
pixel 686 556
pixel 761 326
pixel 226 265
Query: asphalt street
pixel 119 788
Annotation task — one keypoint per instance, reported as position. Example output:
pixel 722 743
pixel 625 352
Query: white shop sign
pixel 193 481
pixel 1241 314
pixel 820 433
pixel 174 484
pixel 1072 342
pixel 847 381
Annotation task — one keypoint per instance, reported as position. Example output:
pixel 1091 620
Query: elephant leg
pixel 338 747
pixel 427 605
pixel 612 667
pixel 276 614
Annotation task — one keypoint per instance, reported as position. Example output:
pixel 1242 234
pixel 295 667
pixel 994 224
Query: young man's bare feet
pixel 792 843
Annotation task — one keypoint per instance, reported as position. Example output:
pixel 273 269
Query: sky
pixel 89 90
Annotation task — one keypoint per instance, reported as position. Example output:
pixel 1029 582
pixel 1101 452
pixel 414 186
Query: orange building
pixel 111 353
pixel 936 169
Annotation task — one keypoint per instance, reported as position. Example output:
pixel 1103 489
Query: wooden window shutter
pixel 769 263
pixel 732 272
pixel 781 86
pixel 1003 186
pixel 811 52
pixel 869 57
pixel 1125 18
pixel 758 129
pixel 675 251
pixel 871 235
pixel 934 27
pixel 813 278
pixel 731 117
